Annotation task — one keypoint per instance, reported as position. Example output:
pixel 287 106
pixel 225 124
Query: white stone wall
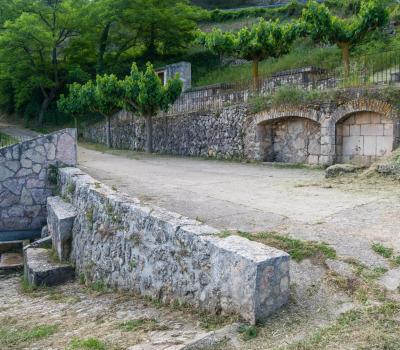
pixel 24 185
pixel 148 250
pixel 364 138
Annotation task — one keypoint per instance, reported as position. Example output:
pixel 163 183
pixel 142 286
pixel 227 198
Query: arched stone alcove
pixel 289 139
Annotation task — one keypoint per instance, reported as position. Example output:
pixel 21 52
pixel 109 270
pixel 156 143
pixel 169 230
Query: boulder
pixel 341 169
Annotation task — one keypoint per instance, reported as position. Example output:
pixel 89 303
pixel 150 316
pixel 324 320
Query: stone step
pixel 11 261
pixel 41 269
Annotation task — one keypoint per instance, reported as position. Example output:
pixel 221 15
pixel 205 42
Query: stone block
pixel 384 145
pixel 41 270
pixel 363 118
pixel 388 129
pixel 369 146
pixel 372 129
pixel 353 145
pixel 355 130
pixel 60 218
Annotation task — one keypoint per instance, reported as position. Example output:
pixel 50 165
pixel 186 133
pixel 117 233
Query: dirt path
pixel 255 197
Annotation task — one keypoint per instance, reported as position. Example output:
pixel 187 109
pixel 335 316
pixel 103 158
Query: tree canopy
pixel 323 26
pixel 262 40
pixel 58 42
pixel 142 93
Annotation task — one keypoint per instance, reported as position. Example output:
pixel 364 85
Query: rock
pixel 340 267
pixel 41 270
pixel 340 169
pixel 45 232
pixel 60 218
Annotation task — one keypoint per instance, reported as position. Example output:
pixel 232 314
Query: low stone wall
pixel 165 256
pixel 218 134
pixel 24 182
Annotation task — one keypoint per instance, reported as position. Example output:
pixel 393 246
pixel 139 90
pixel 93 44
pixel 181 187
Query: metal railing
pixel 366 71
pixel 8 140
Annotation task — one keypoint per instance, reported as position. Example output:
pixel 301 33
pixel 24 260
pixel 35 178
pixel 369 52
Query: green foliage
pixel 297 249
pixel 17 337
pixel 87 344
pixel 324 27
pixel 382 250
pixel 263 40
pixel 248 332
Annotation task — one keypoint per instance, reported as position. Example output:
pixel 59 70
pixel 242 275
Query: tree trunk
pixel 76 124
pixel 345 47
pixel 102 48
pixel 47 99
pixel 149 134
pixel 108 131
pixel 256 79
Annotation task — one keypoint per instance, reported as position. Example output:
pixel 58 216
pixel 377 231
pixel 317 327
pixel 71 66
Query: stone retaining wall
pixel 148 250
pixel 24 183
pixel 218 134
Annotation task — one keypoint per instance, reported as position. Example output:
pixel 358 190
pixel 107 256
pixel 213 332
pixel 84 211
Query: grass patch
pixel 374 327
pixel 297 249
pixel 382 250
pixel 87 344
pixel 142 324
pixel 98 287
pixel 13 336
pixel 248 332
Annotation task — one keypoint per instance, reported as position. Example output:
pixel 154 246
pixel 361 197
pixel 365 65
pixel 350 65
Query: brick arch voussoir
pixel 275 114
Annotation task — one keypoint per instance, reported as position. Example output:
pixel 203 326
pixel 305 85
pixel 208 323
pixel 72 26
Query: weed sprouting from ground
pixel 87 344
pixel 248 332
pixel 297 249
pixel 382 250
pixel 16 337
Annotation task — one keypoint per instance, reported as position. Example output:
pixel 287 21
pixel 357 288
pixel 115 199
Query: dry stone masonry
pixel 24 180
pixel 360 131
pixel 129 246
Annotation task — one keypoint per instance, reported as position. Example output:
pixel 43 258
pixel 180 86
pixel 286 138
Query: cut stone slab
pixel 60 219
pixel 41 270
pixel 11 261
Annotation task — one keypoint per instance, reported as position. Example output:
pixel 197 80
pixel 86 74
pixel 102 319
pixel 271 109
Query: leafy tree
pixel 32 49
pixel 325 27
pixel 263 40
pixel 217 41
pixel 103 96
pixel 146 96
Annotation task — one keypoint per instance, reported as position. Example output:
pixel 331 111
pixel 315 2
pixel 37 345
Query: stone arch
pixel 275 114
pixel 365 131
pixel 289 136
pixel 364 105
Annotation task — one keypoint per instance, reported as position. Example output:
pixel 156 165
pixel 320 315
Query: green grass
pixel 297 249
pixel 382 250
pixel 16 337
pixel 248 332
pixel 304 54
pixel 87 344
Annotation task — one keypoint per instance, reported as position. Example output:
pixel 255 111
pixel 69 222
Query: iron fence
pixel 8 140
pixel 366 71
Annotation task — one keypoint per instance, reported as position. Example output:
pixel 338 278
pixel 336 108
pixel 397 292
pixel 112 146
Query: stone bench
pixel 60 219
